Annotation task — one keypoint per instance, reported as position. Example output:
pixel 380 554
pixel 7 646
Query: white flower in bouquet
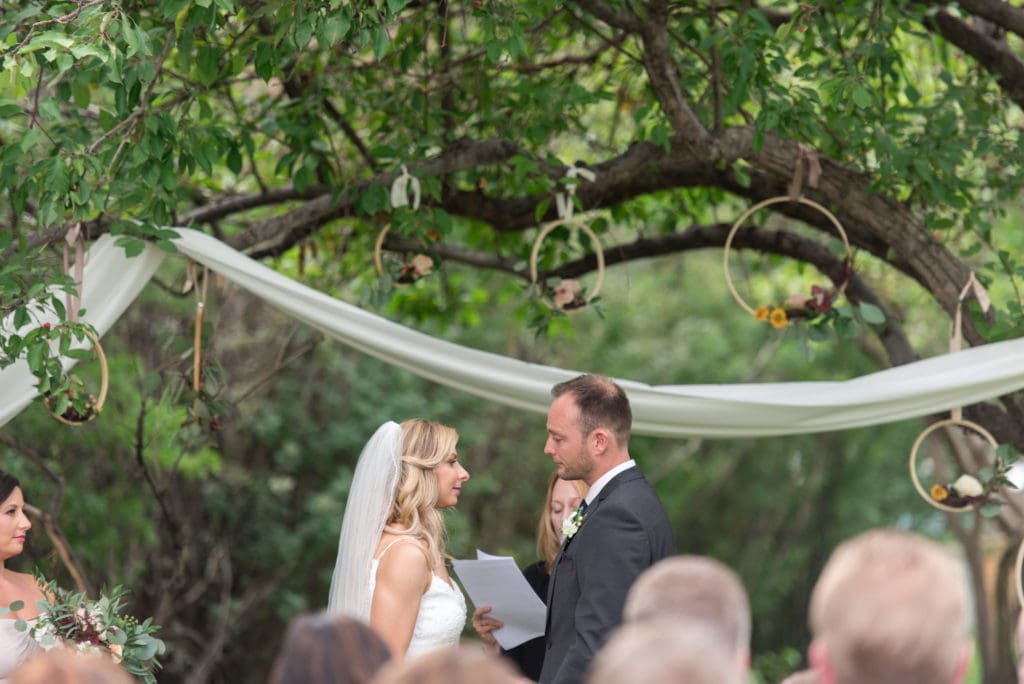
pixel 968 485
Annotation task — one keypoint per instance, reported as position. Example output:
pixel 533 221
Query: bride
pixel 15 645
pixel 390 570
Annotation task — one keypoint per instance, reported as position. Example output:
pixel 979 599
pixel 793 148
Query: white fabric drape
pixel 735 410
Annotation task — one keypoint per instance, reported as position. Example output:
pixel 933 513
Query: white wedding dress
pixel 15 648
pixel 442 613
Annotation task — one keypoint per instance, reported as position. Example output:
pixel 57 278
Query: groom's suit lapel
pixel 613 484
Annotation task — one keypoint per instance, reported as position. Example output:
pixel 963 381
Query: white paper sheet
pixel 496 581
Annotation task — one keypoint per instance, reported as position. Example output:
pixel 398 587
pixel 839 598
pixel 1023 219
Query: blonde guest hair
pixel 664 650
pixel 697 588
pixel 890 607
pixel 548 540
pixel 414 513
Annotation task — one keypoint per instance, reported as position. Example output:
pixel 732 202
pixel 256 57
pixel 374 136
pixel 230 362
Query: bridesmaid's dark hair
pixel 7 485
pixel 321 648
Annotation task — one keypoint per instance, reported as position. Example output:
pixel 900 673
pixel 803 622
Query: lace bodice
pixel 15 648
pixel 441 618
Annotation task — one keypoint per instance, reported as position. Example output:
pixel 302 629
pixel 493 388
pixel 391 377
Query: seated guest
pixel 322 648
pixel 467 664
pixel 700 589
pixel 664 650
pixel 890 607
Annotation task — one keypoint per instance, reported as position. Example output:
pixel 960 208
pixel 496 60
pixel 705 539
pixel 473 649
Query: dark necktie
pixel 583 508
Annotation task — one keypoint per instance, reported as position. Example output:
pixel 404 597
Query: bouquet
pixel 70 620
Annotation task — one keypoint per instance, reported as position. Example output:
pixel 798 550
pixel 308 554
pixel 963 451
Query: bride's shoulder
pixel 24 580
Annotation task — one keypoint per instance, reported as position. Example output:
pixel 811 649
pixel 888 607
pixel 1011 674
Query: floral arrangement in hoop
pixel 566 294
pixel 798 306
pixel 420 266
pixel 967 492
pixel 70 620
pixel 74 405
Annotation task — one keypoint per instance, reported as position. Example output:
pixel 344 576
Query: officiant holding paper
pixel 561 500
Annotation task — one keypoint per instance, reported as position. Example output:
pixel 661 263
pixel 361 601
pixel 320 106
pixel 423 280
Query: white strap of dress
pixel 395 541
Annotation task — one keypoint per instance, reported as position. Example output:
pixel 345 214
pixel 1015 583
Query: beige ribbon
pixel 956 340
pixel 806 157
pixel 74 237
pixel 197 343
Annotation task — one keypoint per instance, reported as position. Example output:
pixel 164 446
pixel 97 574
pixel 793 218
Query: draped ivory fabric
pixel 925 387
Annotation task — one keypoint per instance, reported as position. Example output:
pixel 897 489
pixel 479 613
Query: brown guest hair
pixel 321 648
pixel 602 403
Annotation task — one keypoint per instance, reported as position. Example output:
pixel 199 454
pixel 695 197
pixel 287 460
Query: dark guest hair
pixel 322 648
pixel 7 485
pixel 601 402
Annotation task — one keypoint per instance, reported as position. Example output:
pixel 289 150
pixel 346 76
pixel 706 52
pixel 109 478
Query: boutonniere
pixel 571 525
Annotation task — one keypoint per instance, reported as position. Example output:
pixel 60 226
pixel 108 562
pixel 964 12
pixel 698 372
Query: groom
pixel 623 530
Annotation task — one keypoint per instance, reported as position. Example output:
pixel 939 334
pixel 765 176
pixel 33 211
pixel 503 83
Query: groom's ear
pixel 600 438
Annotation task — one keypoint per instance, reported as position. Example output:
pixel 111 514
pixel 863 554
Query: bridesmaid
pixel 15 645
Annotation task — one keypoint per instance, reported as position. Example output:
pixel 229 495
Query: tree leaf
pixel 871 313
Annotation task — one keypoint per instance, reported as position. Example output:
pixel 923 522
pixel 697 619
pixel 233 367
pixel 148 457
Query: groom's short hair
pixel 695 588
pixel 891 607
pixel 602 403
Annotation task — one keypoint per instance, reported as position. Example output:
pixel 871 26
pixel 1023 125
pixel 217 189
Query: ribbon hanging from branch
pixel 564 201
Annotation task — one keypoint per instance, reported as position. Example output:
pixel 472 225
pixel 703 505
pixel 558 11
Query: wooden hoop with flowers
pixel 820 300
pixel 419 267
pixel 935 498
pixel 71 416
pixel 572 298
pixel 1019 569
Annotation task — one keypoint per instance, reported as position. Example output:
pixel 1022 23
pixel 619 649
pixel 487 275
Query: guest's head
pixel 60 666
pixel 890 607
pixel 321 648
pixel 589 423
pixel 658 651
pixel 695 588
pixel 431 479
pixel 14 524
pixel 467 664
pixel 563 497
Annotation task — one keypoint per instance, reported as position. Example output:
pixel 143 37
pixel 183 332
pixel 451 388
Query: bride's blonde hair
pixel 425 445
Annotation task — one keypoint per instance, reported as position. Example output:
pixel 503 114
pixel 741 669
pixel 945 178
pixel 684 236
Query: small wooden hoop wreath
pixel 761 205
pixel 948 422
pixel 593 241
pixel 377 247
pixel 1019 566
pixel 104 383
pixel 377 258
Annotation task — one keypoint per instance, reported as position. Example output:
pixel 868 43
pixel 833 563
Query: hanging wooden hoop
pixel 948 422
pixel 378 260
pixel 1018 569
pixel 377 247
pixel 598 251
pixel 104 384
pixel 766 203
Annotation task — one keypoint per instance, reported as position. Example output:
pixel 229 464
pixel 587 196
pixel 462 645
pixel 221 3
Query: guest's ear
pixel 966 651
pixel 817 656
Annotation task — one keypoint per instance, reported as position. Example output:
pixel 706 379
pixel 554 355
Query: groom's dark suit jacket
pixel 624 531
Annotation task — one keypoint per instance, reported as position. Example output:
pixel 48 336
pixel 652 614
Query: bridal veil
pixel 373 491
